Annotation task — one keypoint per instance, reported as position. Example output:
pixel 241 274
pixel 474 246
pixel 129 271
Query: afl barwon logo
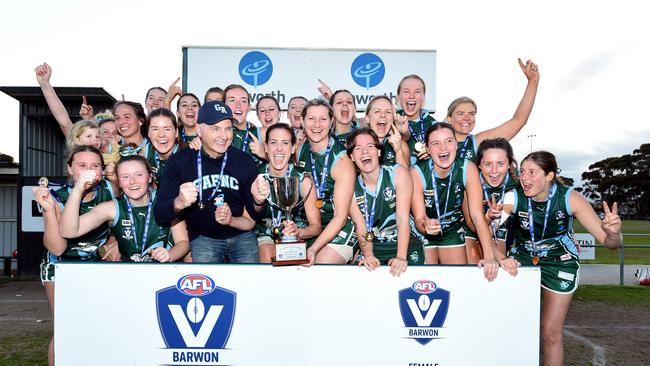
pixel 367 70
pixel 255 68
pixel 424 310
pixel 195 319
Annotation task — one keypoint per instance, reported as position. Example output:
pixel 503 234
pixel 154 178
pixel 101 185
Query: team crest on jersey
pixel 219 201
pixel 525 223
pixel 457 188
pixel 414 256
pixel 195 318
pixel 424 308
pixel 389 194
pixel 390 155
pixel 127 233
pixel 428 201
pixel 560 215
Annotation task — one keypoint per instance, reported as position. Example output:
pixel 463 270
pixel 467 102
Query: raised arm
pixel 607 231
pixel 72 225
pixel 511 127
pixel 52 239
pixel 43 74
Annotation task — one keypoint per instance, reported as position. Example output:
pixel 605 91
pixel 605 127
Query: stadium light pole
pixel 531 141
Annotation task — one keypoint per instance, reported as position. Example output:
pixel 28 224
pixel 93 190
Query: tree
pixel 624 179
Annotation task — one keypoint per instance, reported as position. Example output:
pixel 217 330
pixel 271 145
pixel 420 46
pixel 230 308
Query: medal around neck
pixel 289 250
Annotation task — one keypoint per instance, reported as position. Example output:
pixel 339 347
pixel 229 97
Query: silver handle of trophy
pixel 302 178
pixel 269 199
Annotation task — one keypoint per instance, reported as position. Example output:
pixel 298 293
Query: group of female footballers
pixel 394 188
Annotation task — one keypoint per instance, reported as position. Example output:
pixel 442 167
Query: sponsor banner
pixel 587 245
pixel 179 314
pixel 285 73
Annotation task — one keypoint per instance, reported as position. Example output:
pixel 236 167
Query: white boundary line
pixel 599 352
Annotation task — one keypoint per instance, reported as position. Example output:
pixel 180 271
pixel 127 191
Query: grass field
pixel 631 255
pixel 615 295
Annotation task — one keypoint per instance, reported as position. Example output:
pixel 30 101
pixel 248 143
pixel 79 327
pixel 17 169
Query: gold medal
pixel 419 147
pixel 535 260
pixel 43 182
pixel 370 236
pixel 320 203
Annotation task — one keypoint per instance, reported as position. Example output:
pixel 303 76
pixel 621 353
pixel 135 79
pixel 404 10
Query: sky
pixel 592 56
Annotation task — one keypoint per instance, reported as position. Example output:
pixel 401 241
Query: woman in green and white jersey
pixel 345 109
pixel 461 114
pixel 498 170
pixel 382 119
pixel 163 136
pixel 306 224
pixel 139 237
pixel 379 210
pixel 440 186
pixel 543 209
pixel 333 173
pixel 82 248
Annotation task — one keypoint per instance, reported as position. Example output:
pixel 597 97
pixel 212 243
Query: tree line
pixel 624 179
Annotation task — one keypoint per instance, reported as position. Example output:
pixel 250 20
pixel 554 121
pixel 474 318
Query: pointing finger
pixel 83 100
pixel 176 81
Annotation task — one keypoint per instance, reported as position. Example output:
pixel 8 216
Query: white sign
pixel 285 73
pixel 180 314
pixel 32 213
pixel 587 245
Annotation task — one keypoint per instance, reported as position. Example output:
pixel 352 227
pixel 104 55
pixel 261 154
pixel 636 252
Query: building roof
pixel 31 94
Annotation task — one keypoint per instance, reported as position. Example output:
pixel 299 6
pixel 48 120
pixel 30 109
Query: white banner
pixel 183 314
pixel 587 245
pixel 285 72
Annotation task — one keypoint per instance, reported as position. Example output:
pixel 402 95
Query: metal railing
pixel 621 255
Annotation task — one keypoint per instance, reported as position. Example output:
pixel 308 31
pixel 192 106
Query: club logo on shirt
pixel 560 215
pixel 389 194
pixel 424 308
pixel 127 233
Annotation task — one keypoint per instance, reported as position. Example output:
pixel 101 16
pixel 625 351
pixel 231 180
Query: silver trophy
pixel 286 190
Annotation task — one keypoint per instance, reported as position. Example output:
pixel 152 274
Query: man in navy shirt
pixel 211 190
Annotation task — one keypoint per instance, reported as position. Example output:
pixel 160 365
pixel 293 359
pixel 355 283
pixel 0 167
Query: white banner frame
pixel 288 72
pixel 107 314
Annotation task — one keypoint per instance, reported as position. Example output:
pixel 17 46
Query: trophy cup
pixel 289 250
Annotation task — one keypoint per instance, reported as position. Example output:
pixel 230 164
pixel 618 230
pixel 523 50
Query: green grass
pixel 631 255
pixel 28 349
pixel 615 295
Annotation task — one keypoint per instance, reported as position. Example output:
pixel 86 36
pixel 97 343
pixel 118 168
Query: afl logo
pixel 367 70
pixel 195 285
pixel 255 68
pixel 424 286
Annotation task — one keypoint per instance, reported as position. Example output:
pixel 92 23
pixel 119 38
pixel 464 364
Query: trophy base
pixel 290 253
